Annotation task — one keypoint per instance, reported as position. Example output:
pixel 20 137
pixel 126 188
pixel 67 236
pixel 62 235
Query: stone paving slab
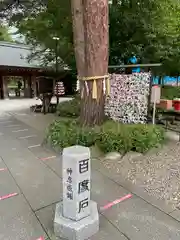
pixel 14 126
pixel 41 152
pixel 107 230
pixel 104 190
pixel 9 144
pixel 6 122
pixel 46 217
pixel 37 121
pixel 55 164
pixel 12 149
pixel 21 133
pixel 32 176
pixel 7 184
pixel 2 164
pixel 135 218
pixel 19 130
pixel 32 141
pixel 40 185
pixel 176 214
pixel 17 221
pixel 140 220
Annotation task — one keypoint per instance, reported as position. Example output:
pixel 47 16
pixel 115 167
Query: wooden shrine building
pixel 16 72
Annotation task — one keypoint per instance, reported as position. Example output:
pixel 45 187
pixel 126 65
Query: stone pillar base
pixel 76 230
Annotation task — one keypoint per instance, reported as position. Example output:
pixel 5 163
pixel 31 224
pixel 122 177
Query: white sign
pixel 76 182
pixel 155 94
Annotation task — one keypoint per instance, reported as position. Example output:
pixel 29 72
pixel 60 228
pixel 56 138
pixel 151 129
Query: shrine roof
pixel 15 55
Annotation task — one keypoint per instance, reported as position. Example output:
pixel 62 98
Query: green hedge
pixel 170 92
pixel 111 136
pixel 69 108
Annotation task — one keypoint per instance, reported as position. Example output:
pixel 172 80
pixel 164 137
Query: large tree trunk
pixel 78 34
pixel 96 59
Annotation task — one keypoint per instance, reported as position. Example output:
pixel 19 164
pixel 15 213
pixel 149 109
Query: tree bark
pixel 78 34
pixel 96 59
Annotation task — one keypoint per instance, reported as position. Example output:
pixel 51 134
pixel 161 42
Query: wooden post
pixel 34 85
pixel 29 85
pixel 25 87
pixel 5 87
pixel 1 88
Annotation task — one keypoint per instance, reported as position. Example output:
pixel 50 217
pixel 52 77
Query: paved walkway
pixel 35 174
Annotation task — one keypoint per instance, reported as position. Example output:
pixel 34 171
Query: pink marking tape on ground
pixel 3 169
pixel 8 196
pixel 41 238
pixel 116 202
pixel 47 158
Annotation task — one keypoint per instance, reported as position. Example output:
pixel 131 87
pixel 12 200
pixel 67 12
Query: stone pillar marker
pixel 76 217
pixel 76 183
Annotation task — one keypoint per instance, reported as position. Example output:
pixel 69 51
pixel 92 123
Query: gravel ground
pixel 157 172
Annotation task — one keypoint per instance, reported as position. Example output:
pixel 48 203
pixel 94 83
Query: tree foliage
pixel 40 24
pixel 148 29
pixel 4 34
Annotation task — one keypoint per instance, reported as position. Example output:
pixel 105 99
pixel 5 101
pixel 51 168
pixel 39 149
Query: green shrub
pixel 69 108
pixel 114 136
pixel 170 92
pixel 122 138
pixel 111 136
pixel 145 137
pixel 66 133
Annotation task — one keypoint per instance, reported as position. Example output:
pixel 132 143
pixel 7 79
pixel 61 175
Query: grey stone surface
pixel 176 214
pixel 7 184
pixel 56 165
pixel 38 139
pixel 8 144
pixel 2 164
pixel 106 231
pixel 135 218
pixel 76 158
pixel 173 136
pixel 113 156
pixel 95 152
pixel 46 217
pixel 132 156
pixel 104 190
pixel 114 170
pixel 139 220
pixel 76 230
pixel 6 122
pixel 40 185
pixel 14 125
pixel 17 221
pixel 41 152
pixel 19 133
